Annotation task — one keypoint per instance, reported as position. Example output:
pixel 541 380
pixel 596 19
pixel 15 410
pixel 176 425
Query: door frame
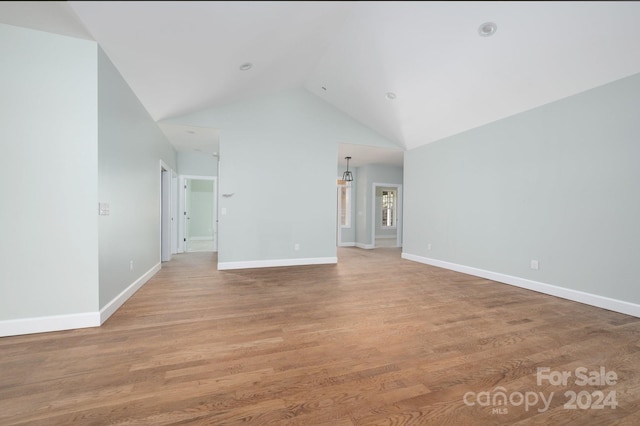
pixel 182 209
pixel 374 212
pixel 339 242
pixel 338 213
pixel 167 222
pixel 174 212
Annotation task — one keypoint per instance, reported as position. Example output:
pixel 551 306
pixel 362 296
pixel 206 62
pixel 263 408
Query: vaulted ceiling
pixel 180 57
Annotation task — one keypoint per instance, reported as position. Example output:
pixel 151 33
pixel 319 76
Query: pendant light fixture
pixel 347 176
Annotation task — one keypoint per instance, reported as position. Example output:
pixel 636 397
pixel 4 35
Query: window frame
pixel 393 209
pixel 345 204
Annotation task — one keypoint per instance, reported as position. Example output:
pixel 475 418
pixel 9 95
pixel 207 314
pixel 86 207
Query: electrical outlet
pixel 429 246
pixel 131 265
pixel 534 264
pixel 296 247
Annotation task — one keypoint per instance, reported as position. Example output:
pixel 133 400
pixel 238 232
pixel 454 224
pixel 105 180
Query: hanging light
pixel 347 176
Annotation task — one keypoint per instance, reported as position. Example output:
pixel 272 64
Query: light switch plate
pixel 103 209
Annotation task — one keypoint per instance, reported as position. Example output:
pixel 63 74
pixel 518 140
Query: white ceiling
pixel 180 57
pixel 192 138
pixel 50 16
pixel 362 155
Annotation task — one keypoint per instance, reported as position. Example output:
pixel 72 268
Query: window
pixel 388 209
pixel 344 195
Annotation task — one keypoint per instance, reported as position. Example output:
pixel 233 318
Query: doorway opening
pixel 386 212
pixel 199 214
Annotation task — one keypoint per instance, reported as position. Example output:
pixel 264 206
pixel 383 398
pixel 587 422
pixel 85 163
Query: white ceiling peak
pixel 181 57
pixel 51 16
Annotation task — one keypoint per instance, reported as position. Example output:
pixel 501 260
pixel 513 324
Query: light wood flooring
pixel 374 340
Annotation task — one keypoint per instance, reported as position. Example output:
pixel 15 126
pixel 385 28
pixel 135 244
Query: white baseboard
pixel 553 290
pixel 119 300
pixel 365 246
pixel 17 327
pixel 222 266
pixel 348 244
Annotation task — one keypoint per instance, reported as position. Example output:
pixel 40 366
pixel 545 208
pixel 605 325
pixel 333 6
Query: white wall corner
pixel 604 302
pixel 223 266
pixel 119 300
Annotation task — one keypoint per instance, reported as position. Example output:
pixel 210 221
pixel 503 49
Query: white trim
pixel 339 226
pixel 119 300
pixel 222 266
pixel 17 327
pixel 604 302
pixel 198 177
pixel 174 212
pixel 347 244
pixel 166 214
pixel 365 246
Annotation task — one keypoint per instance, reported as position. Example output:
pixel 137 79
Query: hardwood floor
pixel 374 340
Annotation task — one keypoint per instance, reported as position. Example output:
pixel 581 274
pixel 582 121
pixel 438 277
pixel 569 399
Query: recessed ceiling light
pixel 487 29
pixel 390 95
pixel 246 66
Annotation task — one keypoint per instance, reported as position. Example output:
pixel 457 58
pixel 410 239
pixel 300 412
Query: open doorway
pixel 387 215
pixel 371 167
pixel 199 219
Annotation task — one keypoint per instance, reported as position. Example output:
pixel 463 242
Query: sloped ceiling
pixel 181 57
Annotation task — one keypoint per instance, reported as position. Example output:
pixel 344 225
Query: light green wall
pixel 559 184
pixel 130 148
pixel 278 158
pixel 48 166
pixel 197 163
pixel 201 208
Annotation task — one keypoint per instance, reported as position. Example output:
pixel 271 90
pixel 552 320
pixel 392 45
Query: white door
pixel 165 215
pixel 186 214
